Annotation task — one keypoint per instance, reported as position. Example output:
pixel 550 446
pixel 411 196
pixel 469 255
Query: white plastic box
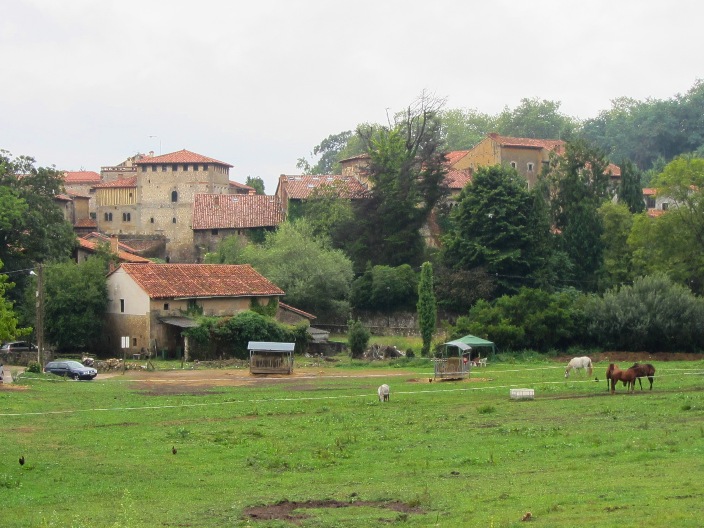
pixel 522 394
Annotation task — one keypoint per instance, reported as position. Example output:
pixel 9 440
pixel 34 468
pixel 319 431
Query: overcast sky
pixel 258 84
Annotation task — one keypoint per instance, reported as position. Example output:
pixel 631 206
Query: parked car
pixel 18 346
pixel 72 369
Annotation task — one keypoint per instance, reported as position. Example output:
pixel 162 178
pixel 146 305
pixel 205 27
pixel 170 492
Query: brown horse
pixel 644 371
pixel 609 371
pixel 628 377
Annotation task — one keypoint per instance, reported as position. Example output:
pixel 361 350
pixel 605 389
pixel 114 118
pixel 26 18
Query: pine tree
pixel 427 308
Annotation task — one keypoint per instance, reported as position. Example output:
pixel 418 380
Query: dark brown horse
pixel 645 370
pixel 609 371
pixel 628 377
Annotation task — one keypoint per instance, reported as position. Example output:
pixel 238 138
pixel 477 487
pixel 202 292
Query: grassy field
pixel 319 450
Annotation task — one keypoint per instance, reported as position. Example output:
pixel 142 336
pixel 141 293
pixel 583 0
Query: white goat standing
pixel 383 392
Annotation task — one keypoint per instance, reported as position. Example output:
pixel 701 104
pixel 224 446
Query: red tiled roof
pixel 457 179
pixel 654 213
pixel 614 170
pixel 236 211
pixel 454 156
pixel 76 195
pixel 296 311
pixel 242 187
pixel 63 197
pixel 548 144
pixel 81 177
pixel 301 187
pixel 164 281
pixel 123 256
pixel 118 184
pixel 363 156
pixel 86 223
pixel 105 238
pixel 182 156
pixel 649 191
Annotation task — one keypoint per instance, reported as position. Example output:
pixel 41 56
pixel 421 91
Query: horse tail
pixel 589 368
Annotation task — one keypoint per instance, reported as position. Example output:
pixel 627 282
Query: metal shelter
pixel 270 357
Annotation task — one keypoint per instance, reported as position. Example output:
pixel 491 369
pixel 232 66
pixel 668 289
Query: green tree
pixel 462 129
pixel 406 171
pixel 427 307
pixel 256 183
pixel 315 278
pixel 630 188
pixel 229 251
pixel 493 227
pixel 618 222
pixel 327 210
pixel 535 118
pixel 76 298
pixel 357 338
pixel 578 184
pixel 9 328
pixel 653 314
pixel 385 289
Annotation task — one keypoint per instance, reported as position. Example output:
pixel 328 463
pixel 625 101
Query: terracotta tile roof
pixel 76 195
pixel 363 156
pixel 182 156
pixel 105 238
pixel 63 197
pixel 457 179
pixel 301 187
pixel 654 213
pixel 86 223
pixel 649 191
pixel 614 170
pixel 122 256
pixel 455 155
pixel 81 177
pixel 118 184
pixel 548 144
pixel 236 211
pixel 242 187
pixel 296 311
pixel 165 281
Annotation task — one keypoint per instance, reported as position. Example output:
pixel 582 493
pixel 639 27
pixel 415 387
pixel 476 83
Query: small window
pixel 213 231
pixel 185 168
pixel 92 216
pixel 173 220
pixel 108 217
pixel 513 164
pixel 195 167
pixel 205 167
pixel 122 306
pixel 126 217
pixel 665 205
pixel 153 168
pixel 144 168
pixel 134 341
pixel 151 220
pixel 174 167
pixel 174 196
pixel 163 168
pixel 650 202
pixel 166 306
pixel 530 167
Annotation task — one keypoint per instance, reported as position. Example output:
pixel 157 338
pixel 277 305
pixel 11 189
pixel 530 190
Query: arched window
pixel 174 196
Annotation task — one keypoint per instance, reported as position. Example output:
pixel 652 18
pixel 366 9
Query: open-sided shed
pixel 270 357
pixel 458 355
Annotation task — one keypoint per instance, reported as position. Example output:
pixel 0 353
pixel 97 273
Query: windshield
pixel 74 364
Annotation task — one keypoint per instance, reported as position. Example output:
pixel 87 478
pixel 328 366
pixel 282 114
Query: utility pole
pixel 40 315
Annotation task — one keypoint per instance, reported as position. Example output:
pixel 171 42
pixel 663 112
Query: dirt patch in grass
pixel 288 511
pixel 8 387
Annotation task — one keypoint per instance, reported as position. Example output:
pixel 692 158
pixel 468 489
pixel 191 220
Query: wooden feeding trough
pixel 270 358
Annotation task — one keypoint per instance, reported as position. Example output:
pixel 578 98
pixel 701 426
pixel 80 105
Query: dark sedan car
pixel 71 369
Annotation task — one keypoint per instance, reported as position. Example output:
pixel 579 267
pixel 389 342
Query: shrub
pixel 34 367
pixel 357 338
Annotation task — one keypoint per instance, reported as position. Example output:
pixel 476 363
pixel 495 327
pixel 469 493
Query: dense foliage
pixel 216 337
pixel 357 338
pixel 385 289
pixel 427 307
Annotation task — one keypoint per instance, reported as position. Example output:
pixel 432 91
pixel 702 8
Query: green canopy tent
pixel 468 344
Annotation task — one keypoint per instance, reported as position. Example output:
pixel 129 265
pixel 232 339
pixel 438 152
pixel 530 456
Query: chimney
pixel 114 244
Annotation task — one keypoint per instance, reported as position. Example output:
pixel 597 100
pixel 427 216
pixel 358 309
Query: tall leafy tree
pixel 256 183
pixel 617 268
pixel 462 129
pixel 630 189
pixel 427 307
pixel 406 173
pixel 536 118
pixel 327 210
pixel 493 228
pixel 76 298
pixel 578 184
pixel 9 322
pixel 315 278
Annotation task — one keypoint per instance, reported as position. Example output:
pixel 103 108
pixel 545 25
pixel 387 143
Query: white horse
pixel 383 392
pixel 579 363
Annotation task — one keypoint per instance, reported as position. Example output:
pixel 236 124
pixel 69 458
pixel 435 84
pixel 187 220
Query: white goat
pixel 383 392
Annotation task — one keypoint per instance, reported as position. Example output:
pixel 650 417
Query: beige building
pixel 153 198
pixel 528 156
pixel 82 183
pixel 149 304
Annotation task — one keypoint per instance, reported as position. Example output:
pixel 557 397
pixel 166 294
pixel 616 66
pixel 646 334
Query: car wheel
pixel 74 377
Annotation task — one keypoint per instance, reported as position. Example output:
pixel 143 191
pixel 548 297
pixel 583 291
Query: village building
pixel 87 247
pixel 293 190
pixel 152 198
pixel 218 216
pixel 82 183
pixel 150 304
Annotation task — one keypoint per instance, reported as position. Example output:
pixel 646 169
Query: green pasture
pixel 99 454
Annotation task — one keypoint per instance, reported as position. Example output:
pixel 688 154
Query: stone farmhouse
pixel 217 216
pixel 82 183
pixel 149 304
